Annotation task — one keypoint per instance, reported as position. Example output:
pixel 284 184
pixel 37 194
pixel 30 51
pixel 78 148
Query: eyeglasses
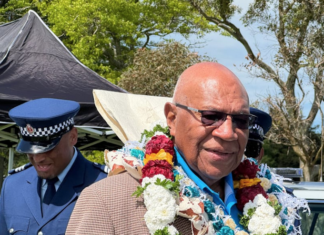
pixel 216 118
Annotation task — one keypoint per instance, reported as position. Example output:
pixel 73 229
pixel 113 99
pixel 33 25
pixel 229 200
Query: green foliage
pixel 169 185
pixel 245 219
pixel 155 72
pixel 19 158
pixel 139 191
pixel 281 231
pixel 275 206
pixel 104 35
pixel 163 231
pixel 14 9
pixel 158 127
pixel 277 155
pixel 94 156
pixel 166 183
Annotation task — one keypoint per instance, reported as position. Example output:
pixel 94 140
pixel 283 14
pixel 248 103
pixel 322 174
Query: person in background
pixel 257 131
pixel 39 197
pixel 254 147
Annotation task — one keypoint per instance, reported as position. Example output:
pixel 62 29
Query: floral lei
pixel 167 191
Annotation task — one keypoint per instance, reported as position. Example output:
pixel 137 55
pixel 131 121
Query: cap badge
pixel 30 129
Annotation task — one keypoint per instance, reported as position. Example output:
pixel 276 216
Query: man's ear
pixel 260 155
pixel 170 115
pixel 74 136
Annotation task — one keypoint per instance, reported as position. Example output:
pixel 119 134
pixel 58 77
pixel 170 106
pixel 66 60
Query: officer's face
pixel 50 164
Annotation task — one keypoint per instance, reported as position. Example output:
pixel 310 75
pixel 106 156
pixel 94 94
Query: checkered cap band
pixel 47 131
pixel 256 129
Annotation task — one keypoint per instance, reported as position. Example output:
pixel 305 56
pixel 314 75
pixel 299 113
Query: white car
pixel 313 192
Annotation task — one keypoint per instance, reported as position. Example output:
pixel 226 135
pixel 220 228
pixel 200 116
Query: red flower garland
pixel 156 167
pixel 159 142
pixel 246 170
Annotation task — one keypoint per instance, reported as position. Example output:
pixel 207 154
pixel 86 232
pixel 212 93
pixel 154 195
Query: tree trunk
pixel 307 170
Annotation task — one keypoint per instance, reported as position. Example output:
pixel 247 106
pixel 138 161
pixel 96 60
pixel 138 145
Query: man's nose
pixel 38 157
pixel 226 131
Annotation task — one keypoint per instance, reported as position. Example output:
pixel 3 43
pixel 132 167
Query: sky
pixel 231 53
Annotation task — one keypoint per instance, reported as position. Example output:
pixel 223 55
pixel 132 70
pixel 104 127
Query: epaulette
pixel 19 169
pixel 103 168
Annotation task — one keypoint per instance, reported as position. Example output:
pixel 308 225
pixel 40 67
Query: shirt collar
pixel 230 199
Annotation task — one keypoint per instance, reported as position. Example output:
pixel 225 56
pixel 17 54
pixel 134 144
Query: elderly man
pixel 39 197
pixel 209 120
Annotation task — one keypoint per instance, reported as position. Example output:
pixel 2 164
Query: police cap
pixel 261 125
pixel 43 122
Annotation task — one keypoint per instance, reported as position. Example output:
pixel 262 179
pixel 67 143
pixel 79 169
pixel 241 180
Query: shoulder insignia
pixel 19 169
pixel 103 168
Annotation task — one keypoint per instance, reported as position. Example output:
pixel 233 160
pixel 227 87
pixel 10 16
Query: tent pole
pixel 11 157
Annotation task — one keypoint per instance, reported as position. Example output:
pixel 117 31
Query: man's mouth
pixel 43 167
pixel 220 154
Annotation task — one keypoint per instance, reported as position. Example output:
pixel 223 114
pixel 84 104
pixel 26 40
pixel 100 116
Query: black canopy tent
pixel 34 63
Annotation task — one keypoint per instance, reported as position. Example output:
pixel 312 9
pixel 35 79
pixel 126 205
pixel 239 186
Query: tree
pixel 297 27
pixel 104 35
pixel 155 72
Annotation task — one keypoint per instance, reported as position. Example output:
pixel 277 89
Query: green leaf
pixel 281 231
pixel 139 191
pixel 158 127
pixel 170 185
pixel 276 206
pixel 244 221
pixel 163 231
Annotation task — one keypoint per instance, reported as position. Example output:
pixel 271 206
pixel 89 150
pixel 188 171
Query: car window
pixel 313 224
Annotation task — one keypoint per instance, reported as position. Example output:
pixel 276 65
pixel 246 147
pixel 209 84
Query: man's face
pixel 212 152
pixel 50 164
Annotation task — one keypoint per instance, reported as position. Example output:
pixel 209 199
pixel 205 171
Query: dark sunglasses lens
pixel 214 118
pixel 242 121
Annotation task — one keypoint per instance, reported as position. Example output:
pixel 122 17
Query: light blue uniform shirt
pixel 229 206
pixel 60 176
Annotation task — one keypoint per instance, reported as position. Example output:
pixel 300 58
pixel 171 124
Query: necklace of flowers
pixel 168 192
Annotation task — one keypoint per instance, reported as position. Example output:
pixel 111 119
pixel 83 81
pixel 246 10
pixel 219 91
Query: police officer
pixel 261 126
pixel 39 197
pixel 254 148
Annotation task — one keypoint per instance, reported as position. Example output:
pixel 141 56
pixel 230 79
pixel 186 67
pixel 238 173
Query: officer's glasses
pixel 216 118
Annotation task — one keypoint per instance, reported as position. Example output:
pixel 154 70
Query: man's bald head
pixel 201 75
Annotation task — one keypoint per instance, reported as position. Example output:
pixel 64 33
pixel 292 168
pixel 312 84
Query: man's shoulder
pixel 116 183
pixel 99 167
pixel 93 166
pixel 20 169
pixel 16 176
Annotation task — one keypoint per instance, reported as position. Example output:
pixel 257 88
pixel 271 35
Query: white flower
pixel 155 196
pixel 152 180
pixel 265 183
pixel 160 216
pixel 172 230
pixel 259 200
pixel 248 206
pixel 265 210
pixel 254 224
pixel 271 225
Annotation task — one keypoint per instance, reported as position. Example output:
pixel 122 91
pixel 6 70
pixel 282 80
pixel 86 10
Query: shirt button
pixel 11 230
pixel 40 233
